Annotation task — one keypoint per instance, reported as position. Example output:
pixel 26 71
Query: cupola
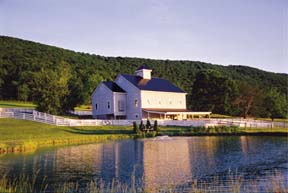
pixel 144 71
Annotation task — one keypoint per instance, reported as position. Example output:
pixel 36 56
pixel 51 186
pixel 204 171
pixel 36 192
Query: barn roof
pixel 143 67
pixel 153 84
pixel 113 86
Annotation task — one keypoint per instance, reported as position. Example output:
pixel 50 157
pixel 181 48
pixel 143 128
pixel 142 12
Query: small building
pixel 140 96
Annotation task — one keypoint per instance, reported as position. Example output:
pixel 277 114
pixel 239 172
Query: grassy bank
pixel 21 135
pixel 222 130
pixel 233 183
pixel 24 136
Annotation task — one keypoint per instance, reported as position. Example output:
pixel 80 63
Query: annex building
pixel 140 96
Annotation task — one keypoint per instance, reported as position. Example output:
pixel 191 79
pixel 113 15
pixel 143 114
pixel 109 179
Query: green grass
pixel 30 105
pixel 17 104
pixel 222 130
pixel 21 135
pixel 83 108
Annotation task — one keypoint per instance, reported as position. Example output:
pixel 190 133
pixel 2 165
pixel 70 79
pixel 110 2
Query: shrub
pixel 156 128
pixel 135 127
pixel 148 124
pixel 141 126
pixel 150 134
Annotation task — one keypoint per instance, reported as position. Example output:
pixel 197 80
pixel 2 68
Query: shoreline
pixel 21 136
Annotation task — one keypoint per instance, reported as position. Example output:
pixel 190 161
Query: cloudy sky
pixel 237 32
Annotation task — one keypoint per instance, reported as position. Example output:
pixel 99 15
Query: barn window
pixel 136 103
pixel 96 106
pixel 108 104
pixel 120 106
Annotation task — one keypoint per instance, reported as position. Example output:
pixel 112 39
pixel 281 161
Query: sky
pixel 227 32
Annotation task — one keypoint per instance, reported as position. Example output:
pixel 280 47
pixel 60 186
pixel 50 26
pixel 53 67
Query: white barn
pixel 140 96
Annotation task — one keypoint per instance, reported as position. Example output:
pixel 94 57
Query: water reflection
pixel 176 161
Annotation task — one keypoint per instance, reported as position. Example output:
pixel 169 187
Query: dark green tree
pixel 141 126
pixel 135 127
pixel 214 92
pixel 247 99
pixel 156 128
pixel 148 124
pixel 274 105
pixel 49 90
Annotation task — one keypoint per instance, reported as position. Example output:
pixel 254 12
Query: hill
pixel 20 60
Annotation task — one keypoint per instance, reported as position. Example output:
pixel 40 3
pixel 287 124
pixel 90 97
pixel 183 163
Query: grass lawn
pixel 17 104
pixel 21 135
pixel 190 131
pixel 83 108
pixel 30 105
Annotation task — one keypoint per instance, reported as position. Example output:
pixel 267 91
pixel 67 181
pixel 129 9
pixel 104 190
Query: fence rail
pixel 32 115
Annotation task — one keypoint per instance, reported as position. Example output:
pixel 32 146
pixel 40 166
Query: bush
pixel 150 134
pixel 135 127
pixel 141 126
pixel 156 128
pixel 148 124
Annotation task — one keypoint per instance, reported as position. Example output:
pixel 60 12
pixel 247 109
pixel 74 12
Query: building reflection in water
pixel 165 162
pixel 175 161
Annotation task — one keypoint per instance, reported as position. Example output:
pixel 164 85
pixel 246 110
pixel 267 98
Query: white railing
pixel 32 115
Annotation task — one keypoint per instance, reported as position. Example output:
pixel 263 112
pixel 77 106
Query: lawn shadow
pixel 97 131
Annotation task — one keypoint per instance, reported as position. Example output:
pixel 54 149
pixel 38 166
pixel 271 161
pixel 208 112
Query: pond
pixel 160 162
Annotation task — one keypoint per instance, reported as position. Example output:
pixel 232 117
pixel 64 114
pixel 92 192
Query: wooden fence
pixel 32 115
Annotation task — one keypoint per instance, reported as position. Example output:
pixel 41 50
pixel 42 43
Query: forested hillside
pixel 32 71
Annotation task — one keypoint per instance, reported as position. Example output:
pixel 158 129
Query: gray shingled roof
pixel 153 84
pixel 113 86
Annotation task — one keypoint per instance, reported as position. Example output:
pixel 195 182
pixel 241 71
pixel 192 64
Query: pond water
pixel 158 162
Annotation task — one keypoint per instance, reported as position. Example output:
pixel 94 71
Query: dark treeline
pixel 57 80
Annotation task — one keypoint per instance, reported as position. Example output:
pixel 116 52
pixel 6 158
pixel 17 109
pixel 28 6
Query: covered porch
pixel 173 114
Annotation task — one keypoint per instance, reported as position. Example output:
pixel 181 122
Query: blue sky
pixel 237 32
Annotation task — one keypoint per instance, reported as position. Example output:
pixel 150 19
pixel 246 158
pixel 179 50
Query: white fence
pixel 32 115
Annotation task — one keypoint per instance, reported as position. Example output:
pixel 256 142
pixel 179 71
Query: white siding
pixel 163 100
pixel 101 96
pixel 144 73
pixel 133 94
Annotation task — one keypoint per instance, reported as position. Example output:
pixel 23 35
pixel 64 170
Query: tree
pixel 246 98
pixel 148 124
pixel 135 127
pixel 141 126
pixel 156 128
pixel 49 90
pixel 274 105
pixel 214 92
